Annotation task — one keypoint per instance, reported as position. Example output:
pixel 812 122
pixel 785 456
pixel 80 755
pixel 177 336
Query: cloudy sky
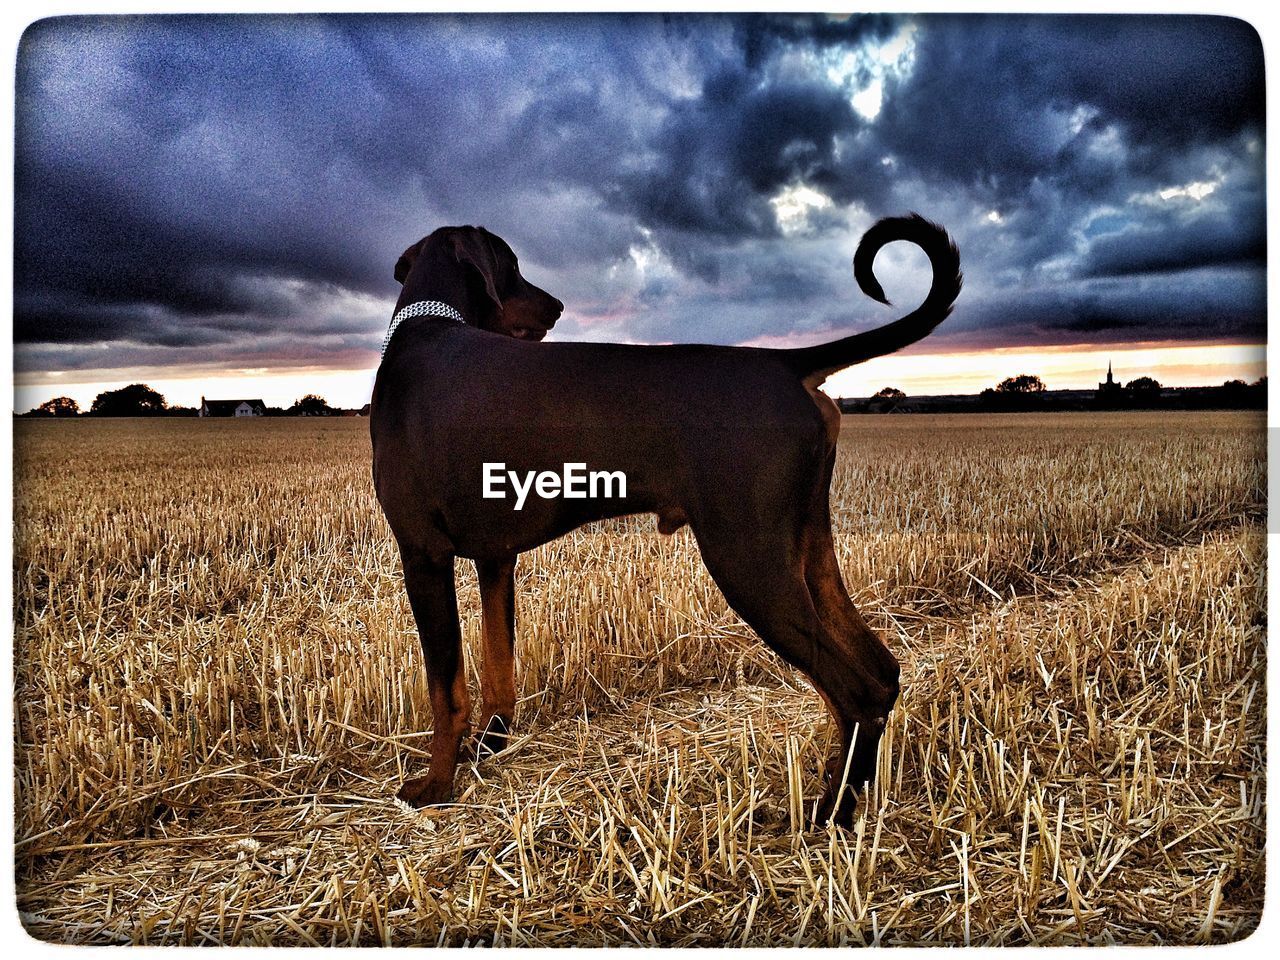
pixel 214 205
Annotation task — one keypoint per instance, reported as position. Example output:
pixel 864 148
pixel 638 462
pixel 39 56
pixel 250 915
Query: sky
pixel 214 205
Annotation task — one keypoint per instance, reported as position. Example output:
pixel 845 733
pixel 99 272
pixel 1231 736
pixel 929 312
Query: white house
pixel 232 408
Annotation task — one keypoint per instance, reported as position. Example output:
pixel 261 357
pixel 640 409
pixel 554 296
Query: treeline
pixel 140 400
pixel 1027 392
pixel 1024 392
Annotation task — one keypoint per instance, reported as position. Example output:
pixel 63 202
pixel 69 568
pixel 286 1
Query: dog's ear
pixel 406 261
pixel 470 247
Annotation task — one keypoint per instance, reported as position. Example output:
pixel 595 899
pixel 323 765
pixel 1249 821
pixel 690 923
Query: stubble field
pixel 218 691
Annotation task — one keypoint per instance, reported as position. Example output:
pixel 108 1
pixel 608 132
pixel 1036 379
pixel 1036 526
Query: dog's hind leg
pixel 775 599
pixel 429 582
pixel 498 626
pixel 860 649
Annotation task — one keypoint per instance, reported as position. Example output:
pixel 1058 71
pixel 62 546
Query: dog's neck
pixel 435 276
pixel 421 308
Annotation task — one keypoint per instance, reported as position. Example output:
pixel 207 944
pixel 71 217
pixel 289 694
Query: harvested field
pixel 219 690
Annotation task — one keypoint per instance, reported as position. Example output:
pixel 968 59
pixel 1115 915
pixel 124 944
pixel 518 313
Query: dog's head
pixel 497 297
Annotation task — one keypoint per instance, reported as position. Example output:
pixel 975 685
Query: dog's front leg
pixel 429 582
pixel 498 625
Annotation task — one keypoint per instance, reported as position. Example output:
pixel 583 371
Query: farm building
pixel 232 408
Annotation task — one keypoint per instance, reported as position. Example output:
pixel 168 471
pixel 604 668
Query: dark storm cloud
pixel 719 158
pixel 237 189
pixel 1147 249
pixel 993 101
pixel 1056 117
pixel 1182 233
pixel 1210 303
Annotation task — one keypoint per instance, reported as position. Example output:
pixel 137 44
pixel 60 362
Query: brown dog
pixel 737 442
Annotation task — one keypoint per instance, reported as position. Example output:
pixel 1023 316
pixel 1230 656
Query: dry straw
pixel 219 690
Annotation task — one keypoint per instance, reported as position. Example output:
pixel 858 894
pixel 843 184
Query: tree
pixel 1022 383
pixel 312 405
pixel 135 400
pixel 57 407
pixel 1144 386
pixel 890 393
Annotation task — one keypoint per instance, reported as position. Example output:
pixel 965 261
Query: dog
pixel 737 442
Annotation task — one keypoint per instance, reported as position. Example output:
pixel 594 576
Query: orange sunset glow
pixel 1066 368
pixel 918 374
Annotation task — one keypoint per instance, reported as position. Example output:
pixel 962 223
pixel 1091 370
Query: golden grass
pixel 218 691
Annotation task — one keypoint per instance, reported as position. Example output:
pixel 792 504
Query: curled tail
pixel 815 364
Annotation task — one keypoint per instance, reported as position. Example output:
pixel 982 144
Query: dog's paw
pixel 841 815
pixel 493 739
pixel 425 792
